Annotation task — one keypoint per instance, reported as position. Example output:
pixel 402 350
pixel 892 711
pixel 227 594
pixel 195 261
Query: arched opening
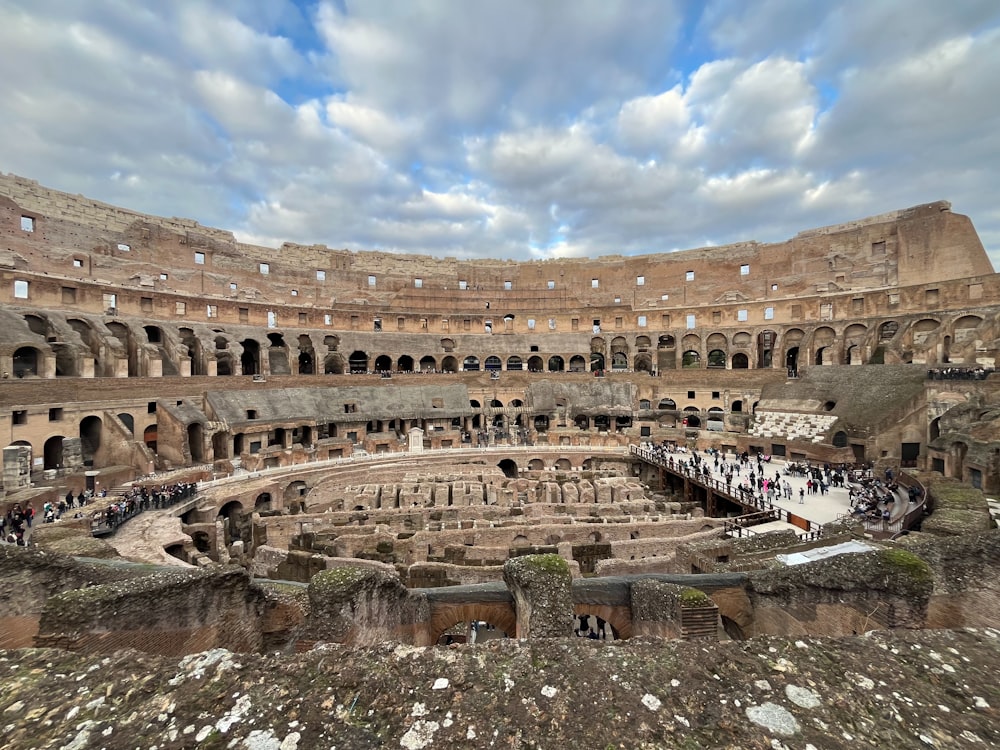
pixel 514 363
pixel 294 495
pixel 563 464
pixel 449 364
pixel 428 364
pixel 716 359
pixel 840 439
pixel 90 438
pixel 643 363
pixel 595 628
pixel 556 363
pixel 765 348
pixel 666 403
pixel 202 542
pixel 508 467
pixel 691 418
pixel 194 351
pixel 232 513
pixel 732 629
pixel 149 437
pixel 470 364
pixel 383 363
pixel 736 407
pixel 126 419
pixel 196 441
pixel 821 354
pixel 476 623
pixel 333 364
pixel 493 364
pixel 250 358
pixel 792 361
pixel 619 361
pixel 306 366
pixel 263 503
pixel 535 364
pixel 358 363
pixel 541 423
pixel 404 363
pixel 65 361
pixel 597 362
pixel 25 362
pixel 934 429
pixel 582 421
pixel 577 363
pixel 332 343
pixel 53 452
pixel 741 361
pixel 690 358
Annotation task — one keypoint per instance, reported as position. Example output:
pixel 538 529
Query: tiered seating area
pixel 792 426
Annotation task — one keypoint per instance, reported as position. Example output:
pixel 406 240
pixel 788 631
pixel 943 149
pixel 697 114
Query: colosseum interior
pixel 431 420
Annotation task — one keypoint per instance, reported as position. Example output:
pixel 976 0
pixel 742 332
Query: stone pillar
pixel 543 599
pixel 72 453
pixel 16 467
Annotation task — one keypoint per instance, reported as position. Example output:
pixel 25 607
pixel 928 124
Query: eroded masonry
pixel 393 433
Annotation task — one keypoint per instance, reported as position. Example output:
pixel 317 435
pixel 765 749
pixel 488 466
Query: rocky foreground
pixel 921 689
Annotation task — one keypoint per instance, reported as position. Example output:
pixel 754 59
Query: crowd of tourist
pixel 140 498
pixel 959 373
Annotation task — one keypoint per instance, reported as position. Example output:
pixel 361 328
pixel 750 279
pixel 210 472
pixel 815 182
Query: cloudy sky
pixel 508 128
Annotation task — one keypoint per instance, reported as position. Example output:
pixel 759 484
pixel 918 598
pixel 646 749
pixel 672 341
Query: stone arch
pixel 536 464
pixel 331 342
pixel 358 362
pixel 509 468
pixel 967 321
pixel 643 363
pixel 37 325
pixel 619 361
pixel 740 361
pixel 643 342
pixel 262 503
pixel 154 334
pixel 840 439
pixel 333 364
pixel 449 364
pixel 292 494
pixel 448 344
pixel 250 358
pixel 149 437
pixel 492 364
pixel 25 363
pixel 597 362
pixel 766 341
pixel 536 364
pixel 666 403
pixel 428 363
pixel 691 358
pixel 577 363
pixel 716 341
pixel 716 359
pixel 824 338
pixel 404 363
pixel 500 615
pixel 307 355
pixel 195 351
pixel 383 363
pixel 597 344
pixel 541 423
pixel 128 420
pixel 52 452
pixel 470 363
pixel 556 363
pixel 514 363
pixel 91 429
pixel 563 464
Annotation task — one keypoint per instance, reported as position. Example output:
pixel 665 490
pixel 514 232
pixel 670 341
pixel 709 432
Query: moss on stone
pixel 693 598
pixel 548 563
pixel 908 565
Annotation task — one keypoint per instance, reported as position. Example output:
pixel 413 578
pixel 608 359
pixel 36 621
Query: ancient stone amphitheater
pixel 398 451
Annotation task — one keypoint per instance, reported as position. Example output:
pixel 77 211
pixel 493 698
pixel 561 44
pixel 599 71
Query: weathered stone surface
pixel 541 586
pixel 901 690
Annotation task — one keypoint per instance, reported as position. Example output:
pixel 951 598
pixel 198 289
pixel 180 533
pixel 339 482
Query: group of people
pixel 140 498
pixel 15 523
pixel 959 373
